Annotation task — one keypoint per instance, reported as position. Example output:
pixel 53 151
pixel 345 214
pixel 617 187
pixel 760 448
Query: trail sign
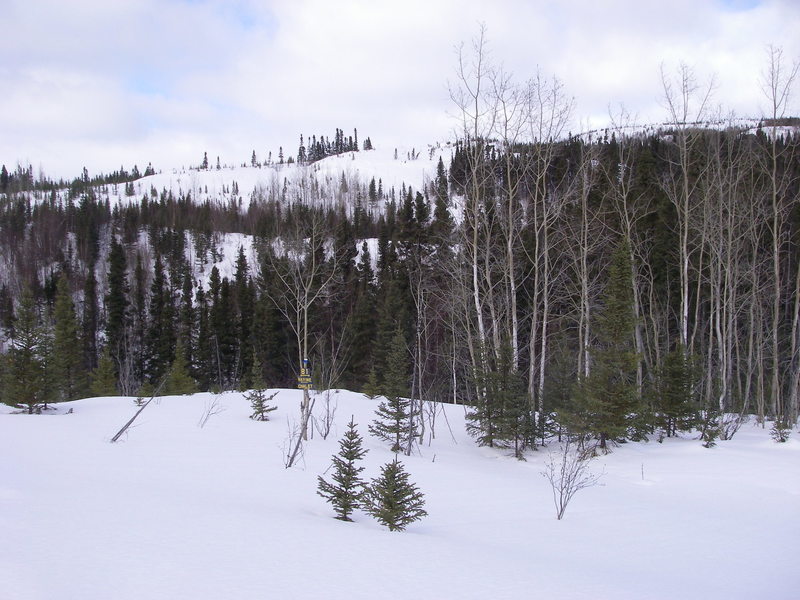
pixel 304 380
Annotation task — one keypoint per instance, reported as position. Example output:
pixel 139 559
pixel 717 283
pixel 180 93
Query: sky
pixel 107 84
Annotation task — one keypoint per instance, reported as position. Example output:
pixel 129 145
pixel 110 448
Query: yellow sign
pixel 304 380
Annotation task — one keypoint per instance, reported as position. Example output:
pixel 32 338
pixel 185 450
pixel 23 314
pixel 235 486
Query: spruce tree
pixel 675 400
pixel 501 414
pixel 179 381
pixel 392 499
pixel 103 380
pixel 257 396
pixel 371 388
pixel 67 367
pixel 345 493
pixel 90 319
pixel 604 403
pixel 161 334
pixel 117 301
pixel 393 416
pixel 25 375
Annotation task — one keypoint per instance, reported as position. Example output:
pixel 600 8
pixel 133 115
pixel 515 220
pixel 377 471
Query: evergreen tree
pixel 422 211
pixel 604 403
pixel 675 400
pixel 203 365
pixel 501 414
pixel 179 381
pixel 371 388
pixel 259 403
pixel 257 396
pixel 103 380
pixel 67 367
pixel 244 301
pixel 25 375
pixel 394 420
pixel 117 302
pixel 161 332
pixel 265 341
pixel 186 318
pixel 6 309
pixel 392 499
pixel 345 493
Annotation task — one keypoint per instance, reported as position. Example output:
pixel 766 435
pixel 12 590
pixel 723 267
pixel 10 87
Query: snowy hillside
pixel 178 511
pixel 356 168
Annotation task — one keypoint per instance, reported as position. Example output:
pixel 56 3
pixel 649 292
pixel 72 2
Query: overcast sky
pixel 102 83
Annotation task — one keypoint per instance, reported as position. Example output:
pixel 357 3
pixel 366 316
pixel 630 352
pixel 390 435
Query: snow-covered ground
pixel 177 511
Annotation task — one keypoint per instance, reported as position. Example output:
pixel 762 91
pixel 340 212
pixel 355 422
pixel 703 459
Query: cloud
pixel 108 83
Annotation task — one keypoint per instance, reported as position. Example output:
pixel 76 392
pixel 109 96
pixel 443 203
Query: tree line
pixel 609 286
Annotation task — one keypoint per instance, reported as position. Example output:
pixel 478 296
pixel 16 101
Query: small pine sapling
pixel 394 419
pixel 371 388
pixel 258 398
pixel 345 493
pixel 392 499
pixel 259 402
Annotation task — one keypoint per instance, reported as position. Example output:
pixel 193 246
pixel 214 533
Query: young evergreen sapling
pixel 346 491
pixel 393 421
pixel 392 499
pixel 258 398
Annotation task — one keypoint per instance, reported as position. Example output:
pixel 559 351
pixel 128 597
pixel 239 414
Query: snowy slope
pixel 357 169
pixel 178 511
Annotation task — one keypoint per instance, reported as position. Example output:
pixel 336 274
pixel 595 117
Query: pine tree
pixel 244 301
pixel 392 499
pixel 371 388
pixel 67 368
pixel 501 415
pixel 103 380
pixel 257 396
pixel 604 403
pixel 6 309
pixel 346 491
pixel 675 400
pixel 179 381
pixel 160 343
pixel 24 383
pixel 393 416
pixel 117 301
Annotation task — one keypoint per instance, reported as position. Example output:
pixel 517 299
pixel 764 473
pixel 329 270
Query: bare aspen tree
pixel 512 107
pixel 549 114
pixel 476 113
pixel 727 218
pixel 777 83
pixel 687 104
pixel 587 236
pixel 304 272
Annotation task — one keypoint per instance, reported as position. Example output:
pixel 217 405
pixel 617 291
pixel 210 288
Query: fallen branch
pixel 138 412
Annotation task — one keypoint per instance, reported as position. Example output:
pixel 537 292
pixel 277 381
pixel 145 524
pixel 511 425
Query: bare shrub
pixel 568 472
pixel 324 424
pixel 210 408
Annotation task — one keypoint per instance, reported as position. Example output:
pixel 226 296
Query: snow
pixel 178 511
pixel 357 168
